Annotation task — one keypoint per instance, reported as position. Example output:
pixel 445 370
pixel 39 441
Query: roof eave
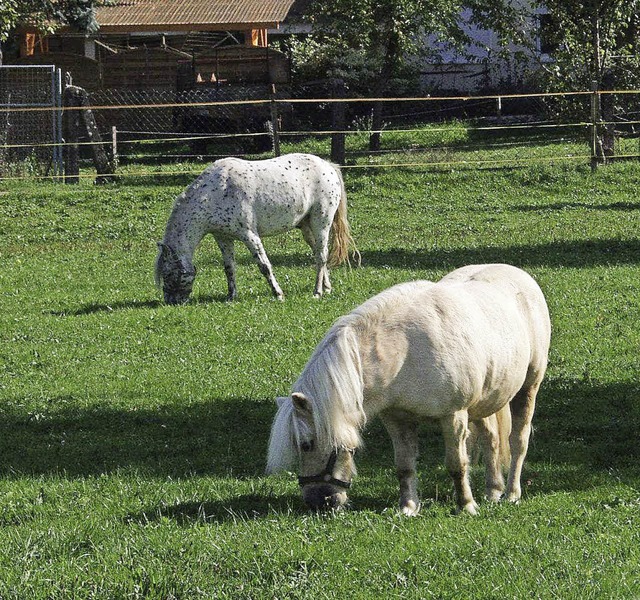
pixel 169 27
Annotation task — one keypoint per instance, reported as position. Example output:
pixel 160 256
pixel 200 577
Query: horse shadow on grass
pixel 583 253
pixel 585 434
pixel 90 309
pixel 613 206
pixel 214 438
pixel 576 254
pixel 576 422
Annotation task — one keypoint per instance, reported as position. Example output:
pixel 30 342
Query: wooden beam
pixel 255 38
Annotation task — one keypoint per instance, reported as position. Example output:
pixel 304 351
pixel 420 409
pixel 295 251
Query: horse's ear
pixel 280 401
pixel 301 402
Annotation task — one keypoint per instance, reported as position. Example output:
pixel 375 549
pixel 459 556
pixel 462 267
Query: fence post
pixel 338 123
pixel 71 102
pixel 114 147
pixel 595 117
pixel 275 126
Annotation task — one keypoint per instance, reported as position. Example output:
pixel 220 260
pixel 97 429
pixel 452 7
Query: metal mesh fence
pixel 217 121
pixel 30 134
pixel 161 126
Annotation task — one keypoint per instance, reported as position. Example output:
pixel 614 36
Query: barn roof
pixel 191 15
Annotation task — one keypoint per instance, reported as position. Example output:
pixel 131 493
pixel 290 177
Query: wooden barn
pixel 168 45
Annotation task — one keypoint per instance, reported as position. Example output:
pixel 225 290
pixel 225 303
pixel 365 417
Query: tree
pixel 47 16
pixel 371 45
pixel 595 36
pixel 376 40
pixel 597 48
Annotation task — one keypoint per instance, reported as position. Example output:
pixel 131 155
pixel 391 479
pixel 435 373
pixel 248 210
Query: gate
pixel 31 116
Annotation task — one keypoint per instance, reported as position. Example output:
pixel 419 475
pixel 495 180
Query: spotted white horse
pixel 464 350
pixel 235 199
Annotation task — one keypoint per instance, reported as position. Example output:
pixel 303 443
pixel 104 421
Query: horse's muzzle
pixel 174 298
pixel 324 496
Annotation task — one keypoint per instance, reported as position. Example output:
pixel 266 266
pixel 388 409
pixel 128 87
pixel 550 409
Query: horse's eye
pixel 306 446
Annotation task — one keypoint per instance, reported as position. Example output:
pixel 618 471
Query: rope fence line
pixel 265 131
pixel 328 100
pixel 177 137
pixel 448 164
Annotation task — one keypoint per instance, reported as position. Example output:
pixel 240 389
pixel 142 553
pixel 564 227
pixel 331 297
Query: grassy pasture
pixel 133 435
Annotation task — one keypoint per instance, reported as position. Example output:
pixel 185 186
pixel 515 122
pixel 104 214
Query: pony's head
pixel 325 472
pixel 318 426
pixel 175 274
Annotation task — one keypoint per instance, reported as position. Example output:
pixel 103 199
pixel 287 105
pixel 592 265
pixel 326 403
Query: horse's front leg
pixel 455 431
pixel 254 244
pixel 403 431
pixel 229 261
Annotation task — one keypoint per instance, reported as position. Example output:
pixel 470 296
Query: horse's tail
pixel 341 239
pixel 503 425
pixel 504 430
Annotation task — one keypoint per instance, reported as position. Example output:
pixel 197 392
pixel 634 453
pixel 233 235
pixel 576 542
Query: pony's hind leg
pixel 455 431
pixel 403 431
pixel 316 234
pixel 488 437
pixel 522 407
pixel 254 244
pixel 228 258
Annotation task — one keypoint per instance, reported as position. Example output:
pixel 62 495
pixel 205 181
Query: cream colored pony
pixel 467 349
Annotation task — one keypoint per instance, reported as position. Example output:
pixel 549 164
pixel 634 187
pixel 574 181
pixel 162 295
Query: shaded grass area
pixel 133 435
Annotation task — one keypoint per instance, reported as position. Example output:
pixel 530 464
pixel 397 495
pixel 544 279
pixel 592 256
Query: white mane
pixel 332 382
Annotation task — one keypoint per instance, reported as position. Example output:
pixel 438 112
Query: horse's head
pixel 325 471
pixel 175 274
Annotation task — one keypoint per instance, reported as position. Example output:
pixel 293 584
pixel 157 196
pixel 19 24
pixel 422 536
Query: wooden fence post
pixel 76 99
pixel 275 123
pixel 114 147
pixel 338 123
pixel 71 126
pixel 376 127
pixel 595 117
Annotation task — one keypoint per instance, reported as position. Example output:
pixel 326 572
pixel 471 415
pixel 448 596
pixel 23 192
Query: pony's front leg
pixel 254 244
pixel 403 431
pixel 229 261
pixel 455 431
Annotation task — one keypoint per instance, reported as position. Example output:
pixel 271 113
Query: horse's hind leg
pixel 455 432
pixel 403 431
pixel 228 258
pixel 488 437
pixel 254 244
pixel 522 407
pixel 318 238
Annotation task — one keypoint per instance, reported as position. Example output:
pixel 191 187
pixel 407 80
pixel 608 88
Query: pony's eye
pixel 306 446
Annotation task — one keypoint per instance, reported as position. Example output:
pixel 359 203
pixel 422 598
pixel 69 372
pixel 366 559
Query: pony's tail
pixel 503 425
pixel 341 239
pixel 504 430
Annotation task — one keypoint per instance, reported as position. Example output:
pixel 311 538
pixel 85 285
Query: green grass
pixel 133 434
